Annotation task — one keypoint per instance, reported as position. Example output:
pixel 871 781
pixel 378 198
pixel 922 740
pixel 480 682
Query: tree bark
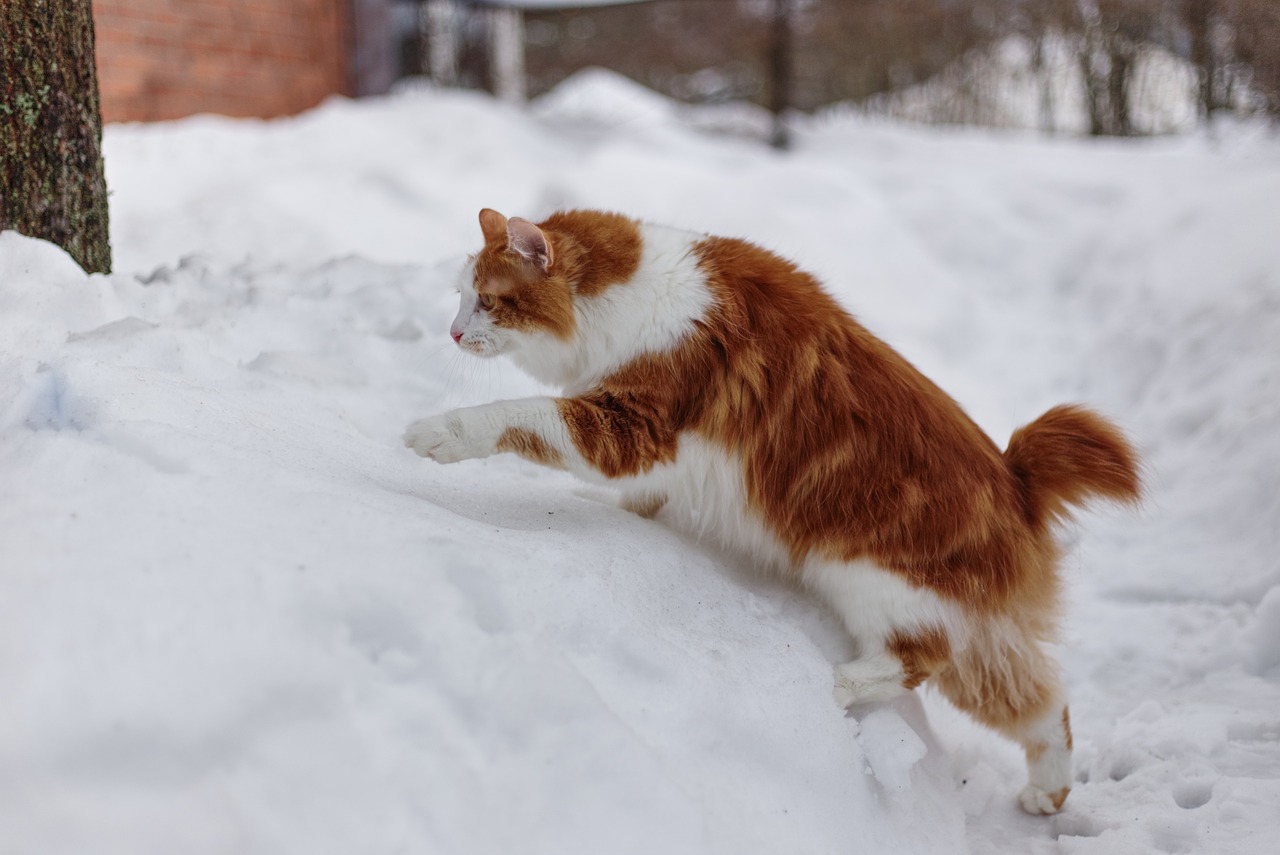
pixel 1095 88
pixel 506 41
pixel 780 73
pixel 51 181
pixel 1122 53
pixel 439 22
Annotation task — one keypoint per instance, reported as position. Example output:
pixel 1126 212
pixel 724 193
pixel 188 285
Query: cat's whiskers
pixel 425 360
pixel 454 379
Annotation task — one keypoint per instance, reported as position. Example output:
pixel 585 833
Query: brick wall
pixel 163 59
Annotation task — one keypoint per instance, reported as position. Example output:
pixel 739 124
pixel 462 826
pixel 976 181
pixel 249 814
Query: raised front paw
pixel 442 438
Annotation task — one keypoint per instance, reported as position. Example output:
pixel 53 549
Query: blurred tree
pixel 51 180
pixel 1255 38
pixel 1108 36
pixel 1199 17
pixel 780 62
pixel 697 50
pixel 858 50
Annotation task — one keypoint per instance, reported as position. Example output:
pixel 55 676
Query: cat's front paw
pixel 442 438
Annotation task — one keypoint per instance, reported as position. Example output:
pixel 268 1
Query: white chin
pixel 484 351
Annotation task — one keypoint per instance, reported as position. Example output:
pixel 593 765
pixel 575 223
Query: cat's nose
pixel 457 335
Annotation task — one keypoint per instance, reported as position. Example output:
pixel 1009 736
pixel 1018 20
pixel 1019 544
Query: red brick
pixel 169 58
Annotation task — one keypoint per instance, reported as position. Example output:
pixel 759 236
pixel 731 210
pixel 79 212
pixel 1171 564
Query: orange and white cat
pixel 712 377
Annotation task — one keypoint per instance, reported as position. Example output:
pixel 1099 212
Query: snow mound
pixel 247 615
pixel 598 96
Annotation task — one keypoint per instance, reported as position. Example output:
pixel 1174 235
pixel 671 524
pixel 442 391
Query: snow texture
pixel 236 615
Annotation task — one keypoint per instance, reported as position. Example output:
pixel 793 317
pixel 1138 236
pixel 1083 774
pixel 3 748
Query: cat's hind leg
pixel 869 679
pixel 890 667
pixel 1013 687
pixel 902 632
pixel 1047 742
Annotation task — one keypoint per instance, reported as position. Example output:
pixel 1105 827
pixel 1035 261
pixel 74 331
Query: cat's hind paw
pixel 868 681
pixel 1036 801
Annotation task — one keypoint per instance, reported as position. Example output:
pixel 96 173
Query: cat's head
pixel 514 295
pixel 579 294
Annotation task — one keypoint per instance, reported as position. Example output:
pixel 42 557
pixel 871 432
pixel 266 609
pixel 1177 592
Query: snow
pixel 237 615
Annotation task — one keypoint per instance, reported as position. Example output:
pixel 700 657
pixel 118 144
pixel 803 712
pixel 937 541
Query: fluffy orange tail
pixel 1068 456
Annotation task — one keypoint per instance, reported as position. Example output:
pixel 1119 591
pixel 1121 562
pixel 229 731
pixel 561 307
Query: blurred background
pixel 1101 67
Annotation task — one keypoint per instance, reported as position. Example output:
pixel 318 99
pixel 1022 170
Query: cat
pixel 713 377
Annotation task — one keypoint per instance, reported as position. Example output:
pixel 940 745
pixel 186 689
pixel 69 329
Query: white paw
pixel 867 681
pixel 1037 801
pixel 845 693
pixel 441 438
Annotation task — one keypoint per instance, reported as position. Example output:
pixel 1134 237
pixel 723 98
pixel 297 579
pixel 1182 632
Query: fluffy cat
pixel 711 376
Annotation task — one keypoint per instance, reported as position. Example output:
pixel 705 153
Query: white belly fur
pixel 706 497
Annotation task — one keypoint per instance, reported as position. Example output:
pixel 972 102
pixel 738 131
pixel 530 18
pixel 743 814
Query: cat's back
pixel 842 441
pixel 744 337
pixel 756 286
pixel 794 343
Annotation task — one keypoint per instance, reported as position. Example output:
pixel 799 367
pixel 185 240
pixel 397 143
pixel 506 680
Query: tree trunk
pixel 1095 87
pixel 51 180
pixel 439 21
pixel 1122 53
pixel 1196 18
pixel 506 41
pixel 1045 79
pixel 780 50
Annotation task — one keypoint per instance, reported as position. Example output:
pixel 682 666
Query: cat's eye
pixel 487 300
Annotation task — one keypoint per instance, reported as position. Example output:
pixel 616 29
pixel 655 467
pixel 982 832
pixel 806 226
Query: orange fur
pixel 530 446
pixel 920 653
pixel 595 251
pixel 524 299
pixel 1068 456
pixel 1059 796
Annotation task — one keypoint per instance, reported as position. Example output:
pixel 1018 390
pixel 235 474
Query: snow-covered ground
pixel 236 615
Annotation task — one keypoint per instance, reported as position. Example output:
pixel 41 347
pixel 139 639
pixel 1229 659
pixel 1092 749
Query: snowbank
pixel 238 616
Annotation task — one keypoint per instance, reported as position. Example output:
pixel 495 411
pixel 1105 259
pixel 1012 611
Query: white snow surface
pixel 236 615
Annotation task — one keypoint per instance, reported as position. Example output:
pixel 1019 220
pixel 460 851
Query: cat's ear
pixel 494 225
pixel 528 240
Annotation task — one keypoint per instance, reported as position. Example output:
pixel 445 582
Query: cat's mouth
pixel 482 349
